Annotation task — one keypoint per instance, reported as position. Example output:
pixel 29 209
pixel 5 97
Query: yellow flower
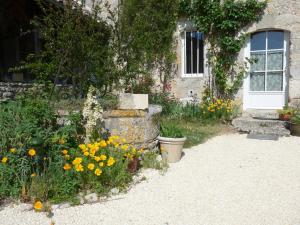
pixel 83 147
pixel 4 160
pixel 97 158
pixel 67 166
pixel 38 205
pixel 124 147
pixel 110 161
pixel 98 172
pixel 79 168
pixel 61 141
pixel 77 161
pixel 95 148
pixel 103 157
pixel 133 151
pixel 45 158
pixel 102 144
pixel 65 152
pixel 91 166
pixel 116 145
pixel 92 153
pixel 33 175
pixel 86 154
pixel 31 152
pixel 101 164
pixel 67 157
pixel 12 150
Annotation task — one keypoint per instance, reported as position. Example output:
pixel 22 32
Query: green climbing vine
pixel 222 22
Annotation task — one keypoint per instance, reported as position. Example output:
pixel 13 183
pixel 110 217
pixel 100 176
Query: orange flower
pixel 67 166
pixel 38 205
pixel 65 152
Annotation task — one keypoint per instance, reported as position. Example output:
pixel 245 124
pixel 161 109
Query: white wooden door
pixel 266 85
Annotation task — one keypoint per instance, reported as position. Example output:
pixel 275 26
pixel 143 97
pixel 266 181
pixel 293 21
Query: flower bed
pixel 42 161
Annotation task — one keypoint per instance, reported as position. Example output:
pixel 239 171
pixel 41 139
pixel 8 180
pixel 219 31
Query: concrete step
pixel 261 114
pixel 261 126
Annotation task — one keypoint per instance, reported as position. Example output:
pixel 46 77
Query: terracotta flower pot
pixel 285 117
pixel 171 148
pixel 133 165
pixel 295 129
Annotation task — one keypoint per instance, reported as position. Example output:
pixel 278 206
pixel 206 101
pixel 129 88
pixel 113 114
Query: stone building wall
pixel 185 87
pixel 279 14
pixel 284 15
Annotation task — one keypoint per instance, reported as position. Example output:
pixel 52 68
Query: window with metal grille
pixel 193 54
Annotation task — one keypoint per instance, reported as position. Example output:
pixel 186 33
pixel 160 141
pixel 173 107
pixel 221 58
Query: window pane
pixel 201 57
pixel 188 52
pixel 275 61
pixel 275 81
pixel 257 81
pixel 259 61
pixel 258 41
pixel 195 47
pixel 275 39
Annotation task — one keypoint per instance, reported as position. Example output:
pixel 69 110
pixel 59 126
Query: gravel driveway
pixel 229 180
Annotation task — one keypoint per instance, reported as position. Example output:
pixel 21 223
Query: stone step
pixel 261 126
pixel 261 114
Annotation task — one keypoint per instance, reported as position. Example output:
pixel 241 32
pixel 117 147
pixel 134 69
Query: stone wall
pixel 185 87
pixel 284 15
pixel 9 90
pixel 279 14
pixel 138 127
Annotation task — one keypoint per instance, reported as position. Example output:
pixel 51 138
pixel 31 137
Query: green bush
pixel 172 108
pixel 42 160
pixel 30 146
pixel 170 130
pixel 296 119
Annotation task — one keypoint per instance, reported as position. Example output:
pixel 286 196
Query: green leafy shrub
pixel 175 109
pixel 170 130
pixel 296 119
pixel 43 161
pixel 30 145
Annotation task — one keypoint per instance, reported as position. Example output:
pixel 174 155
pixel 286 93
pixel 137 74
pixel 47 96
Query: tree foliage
pixel 145 39
pixel 105 47
pixel 222 22
pixel 76 47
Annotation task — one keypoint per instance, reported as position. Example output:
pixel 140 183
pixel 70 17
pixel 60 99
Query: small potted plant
pixel 295 125
pixel 171 142
pixel 286 113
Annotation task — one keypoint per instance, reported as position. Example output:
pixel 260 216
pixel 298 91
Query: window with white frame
pixel 268 54
pixel 193 54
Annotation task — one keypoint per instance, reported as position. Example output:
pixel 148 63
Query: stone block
pixel 133 101
pixel 125 113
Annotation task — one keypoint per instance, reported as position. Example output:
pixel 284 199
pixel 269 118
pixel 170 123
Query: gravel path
pixel 230 180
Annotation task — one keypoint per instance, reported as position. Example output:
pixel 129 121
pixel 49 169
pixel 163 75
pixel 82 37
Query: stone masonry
pixel 9 90
pixel 279 14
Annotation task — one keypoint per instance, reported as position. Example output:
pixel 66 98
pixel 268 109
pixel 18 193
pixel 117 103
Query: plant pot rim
pixel 171 139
